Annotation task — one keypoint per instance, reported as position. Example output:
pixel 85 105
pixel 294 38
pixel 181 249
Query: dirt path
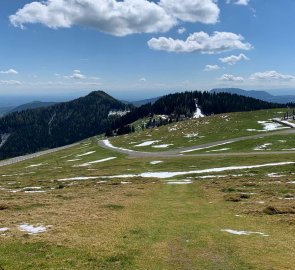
pixel 179 152
pixel 171 153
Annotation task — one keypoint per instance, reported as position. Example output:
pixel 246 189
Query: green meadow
pixel 103 210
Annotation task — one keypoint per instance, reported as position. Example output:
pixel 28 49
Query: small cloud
pixel 9 82
pixel 231 78
pixel 211 67
pixel 9 72
pixel 233 59
pixel 238 2
pixel 271 75
pixel 143 79
pixel 77 75
pixel 181 30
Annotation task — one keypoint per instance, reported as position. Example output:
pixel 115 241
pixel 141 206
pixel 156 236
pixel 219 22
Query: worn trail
pixel 179 152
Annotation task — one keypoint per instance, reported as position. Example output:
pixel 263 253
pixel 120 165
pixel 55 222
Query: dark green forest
pixel 57 125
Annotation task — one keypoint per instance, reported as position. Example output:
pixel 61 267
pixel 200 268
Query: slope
pixel 57 125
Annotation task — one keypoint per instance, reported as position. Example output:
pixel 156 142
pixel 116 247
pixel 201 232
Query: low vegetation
pixel 86 207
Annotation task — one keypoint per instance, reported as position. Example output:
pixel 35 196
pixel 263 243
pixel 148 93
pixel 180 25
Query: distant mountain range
pixel 262 95
pixel 139 103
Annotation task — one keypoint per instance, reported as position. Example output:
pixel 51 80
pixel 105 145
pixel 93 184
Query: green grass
pixel 148 224
pixel 274 143
pixel 208 129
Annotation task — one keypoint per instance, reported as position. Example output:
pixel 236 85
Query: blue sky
pixel 139 48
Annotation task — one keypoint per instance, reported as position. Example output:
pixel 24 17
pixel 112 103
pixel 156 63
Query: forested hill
pixel 64 123
pixel 57 125
pixel 210 103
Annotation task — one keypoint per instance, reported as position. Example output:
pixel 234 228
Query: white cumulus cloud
pixel 204 11
pixel 76 75
pixel 201 42
pixel 231 78
pixel 9 72
pixel 233 59
pixel 271 75
pixel 211 67
pixel 119 18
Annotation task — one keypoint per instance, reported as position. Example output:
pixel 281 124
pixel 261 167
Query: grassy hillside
pixel 127 222
pixel 199 131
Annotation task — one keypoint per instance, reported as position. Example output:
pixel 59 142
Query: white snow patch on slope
pixel 72 160
pixel 201 148
pixel 147 143
pixel 275 175
pixel 155 162
pixel 262 147
pixel 243 232
pixel 96 161
pixel 191 135
pixel 30 229
pixel 185 182
pixel 198 113
pixel 162 145
pixel 218 150
pixel 34 165
pixel 86 154
pixel 108 144
pixel 289 124
pixel 4 229
pixel 173 174
pixel 78 178
pixel 268 126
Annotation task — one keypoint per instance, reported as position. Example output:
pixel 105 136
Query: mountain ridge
pixel 258 94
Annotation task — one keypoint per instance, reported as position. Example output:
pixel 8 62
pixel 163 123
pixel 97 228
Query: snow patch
pixel 95 161
pixel 191 135
pixel 147 143
pixel 30 229
pixel 201 148
pixel 243 232
pixel 125 183
pixel 155 162
pixel 118 113
pixel 162 145
pixel 78 178
pixel 163 175
pixel 198 113
pixel 183 182
pixel 34 165
pixel 274 175
pixel 108 144
pixel 218 150
pixel 262 147
pixel 86 154
pixel 72 160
